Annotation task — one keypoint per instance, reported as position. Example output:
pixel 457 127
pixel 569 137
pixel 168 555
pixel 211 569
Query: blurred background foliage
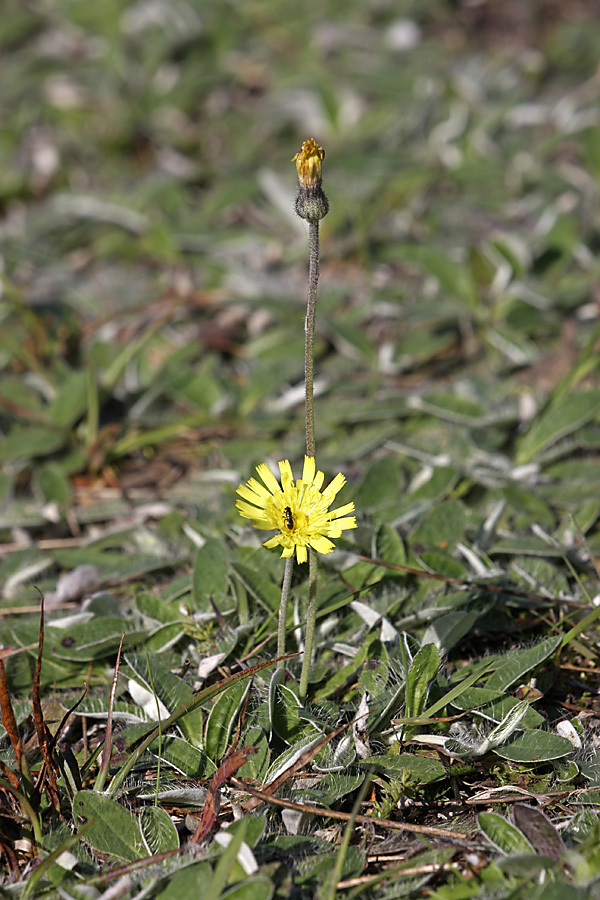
pixel 153 284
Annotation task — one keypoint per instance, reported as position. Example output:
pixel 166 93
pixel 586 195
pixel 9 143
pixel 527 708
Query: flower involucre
pixel 311 202
pixel 299 511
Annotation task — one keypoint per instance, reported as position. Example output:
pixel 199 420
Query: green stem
pixel 309 329
pixel 328 889
pixel 311 620
pixel 285 596
pixel 584 623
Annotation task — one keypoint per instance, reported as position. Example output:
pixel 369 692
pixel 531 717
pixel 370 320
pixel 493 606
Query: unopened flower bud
pixel 311 202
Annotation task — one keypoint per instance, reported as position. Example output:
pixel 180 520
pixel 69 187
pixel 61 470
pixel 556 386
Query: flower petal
pixel 342 510
pixel 318 480
pixel 287 479
pixel 248 511
pixel 301 554
pixel 332 489
pixel 268 478
pixel 321 544
pixel 259 489
pixel 308 472
pixel 248 494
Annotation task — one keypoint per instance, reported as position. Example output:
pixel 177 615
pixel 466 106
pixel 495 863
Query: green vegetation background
pixel 151 326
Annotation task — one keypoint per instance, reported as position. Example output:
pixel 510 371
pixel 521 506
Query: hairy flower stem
pixel 309 330
pixel 285 596
pixel 311 620
pixel 312 206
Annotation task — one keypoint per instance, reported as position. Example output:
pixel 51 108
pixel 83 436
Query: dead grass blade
pixel 105 761
pixel 47 774
pixel 225 771
pixel 10 723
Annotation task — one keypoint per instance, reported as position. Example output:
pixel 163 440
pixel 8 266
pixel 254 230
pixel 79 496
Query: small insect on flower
pixel 298 511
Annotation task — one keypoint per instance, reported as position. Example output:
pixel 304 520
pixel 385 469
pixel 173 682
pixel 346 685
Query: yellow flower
pixel 309 163
pixel 300 511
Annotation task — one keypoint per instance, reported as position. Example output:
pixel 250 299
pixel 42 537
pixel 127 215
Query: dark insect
pixel 289 519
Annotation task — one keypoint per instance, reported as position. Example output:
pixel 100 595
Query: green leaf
pixel 517 663
pixel 164 637
pixel 71 401
pixel 183 757
pixel 511 721
pixel 454 277
pixel 290 756
pixel 117 566
pixel 538 829
pixel 526 545
pixel 253 829
pixel 535 746
pixel 591 146
pixel 222 719
pixel 380 485
pixel 531 866
pixel 494 706
pixel 439 483
pixel 329 789
pixel 260 586
pixel 424 768
pixel 390 548
pixel 90 640
pixel 255 888
pixel 453 408
pixel 373 678
pixel 113 829
pixel 158 831
pixel 316 867
pixel 209 581
pixel 442 564
pixel 496 737
pixel 27 441
pixel 441 529
pixel 170 690
pixel 389 705
pixel 187 882
pixel 448 630
pixel 586 514
pixel 558 422
pixel 152 606
pixel 285 718
pixel 346 673
pixel 422 671
pixel 257 764
pixel 504 836
pixel 54 484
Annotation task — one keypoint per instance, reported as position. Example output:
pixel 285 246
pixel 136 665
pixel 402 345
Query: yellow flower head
pixel 309 163
pixel 300 511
